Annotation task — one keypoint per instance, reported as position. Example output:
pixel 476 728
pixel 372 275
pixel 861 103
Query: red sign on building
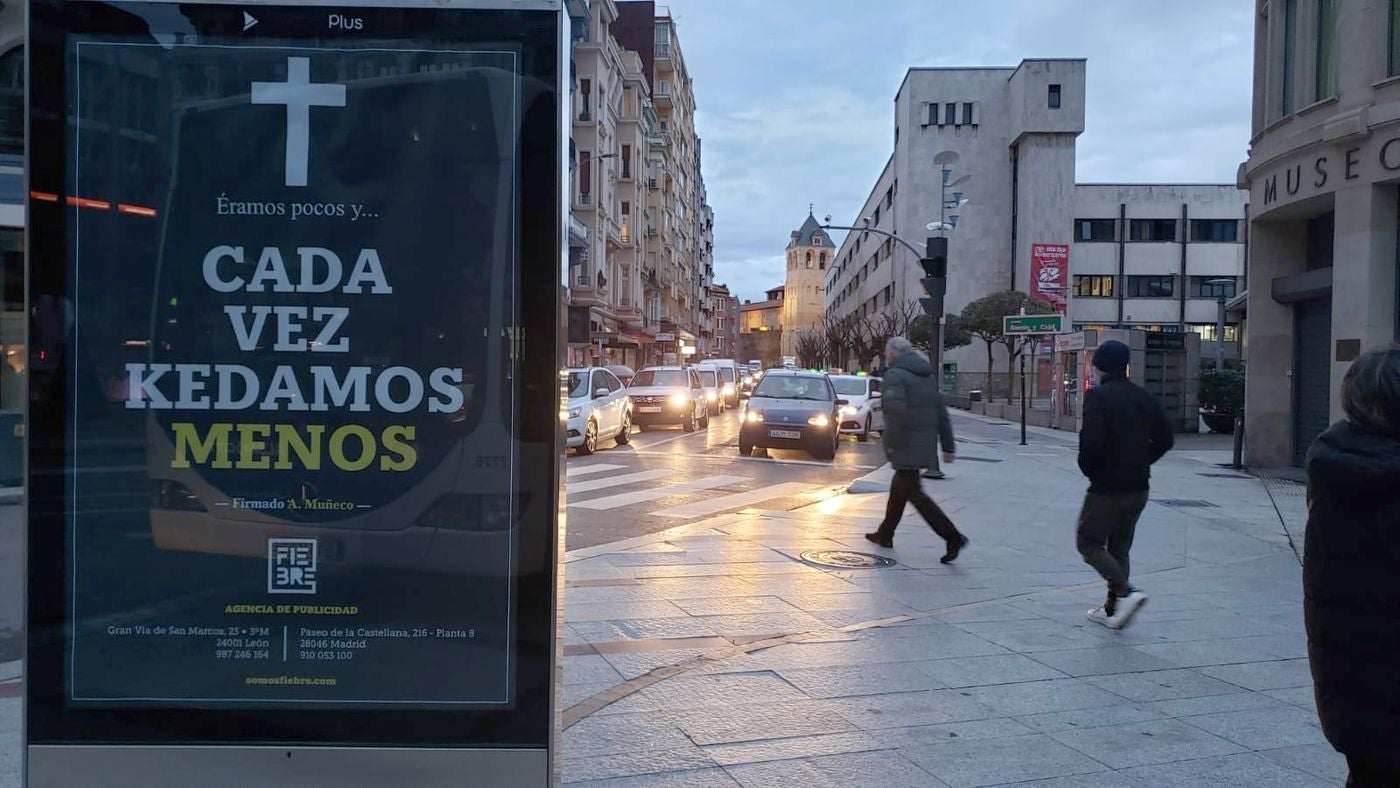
pixel 1050 274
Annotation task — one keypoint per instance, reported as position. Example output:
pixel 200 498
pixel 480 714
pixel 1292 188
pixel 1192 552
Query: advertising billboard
pixel 293 462
pixel 1050 274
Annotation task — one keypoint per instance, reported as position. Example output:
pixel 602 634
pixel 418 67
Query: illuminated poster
pixel 294 269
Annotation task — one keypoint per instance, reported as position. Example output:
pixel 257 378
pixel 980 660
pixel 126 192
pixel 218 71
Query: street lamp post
pixel 1220 320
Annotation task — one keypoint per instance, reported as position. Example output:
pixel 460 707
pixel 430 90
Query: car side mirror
pixel 876 395
pixel 841 402
pixel 600 393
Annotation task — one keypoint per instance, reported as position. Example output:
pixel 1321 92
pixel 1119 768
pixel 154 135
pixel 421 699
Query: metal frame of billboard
pixel 73 746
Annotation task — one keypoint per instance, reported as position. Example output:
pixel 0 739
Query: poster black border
pixel 49 718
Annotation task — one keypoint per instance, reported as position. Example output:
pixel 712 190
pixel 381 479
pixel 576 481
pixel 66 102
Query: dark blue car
pixel 792 409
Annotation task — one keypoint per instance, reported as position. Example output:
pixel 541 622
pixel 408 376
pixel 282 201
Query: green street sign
pixel 1032 324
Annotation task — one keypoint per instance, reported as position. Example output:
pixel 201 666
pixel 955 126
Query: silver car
pixel 668 395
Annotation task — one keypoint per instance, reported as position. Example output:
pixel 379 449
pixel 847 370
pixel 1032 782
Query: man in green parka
pixel 915 421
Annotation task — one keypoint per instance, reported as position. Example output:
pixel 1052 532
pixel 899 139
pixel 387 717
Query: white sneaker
pixel 1100 616
pixel 1128 607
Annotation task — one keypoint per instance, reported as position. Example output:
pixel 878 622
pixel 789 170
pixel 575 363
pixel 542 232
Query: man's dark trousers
pixel 1107 523
pixel 906 488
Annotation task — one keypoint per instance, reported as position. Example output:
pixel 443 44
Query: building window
pixel 1290 33
pixel 1054 97
pixel 1393 67
pixel 1207 331
pixel 950 114
pixel 627 161
pixel 1151 286
pixel 1093 286
pixel 1326 87
pixel 1220 231
pixel 933 117
pixel 1201 287
pixel 822 261
pixel 12 102
pixel 968 114
pixel 585 87
pixel 809 259
pixel 816 239
pixel 1152 230
pixel 1094 230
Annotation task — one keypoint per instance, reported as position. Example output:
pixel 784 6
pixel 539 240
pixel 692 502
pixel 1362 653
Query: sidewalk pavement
pixel 713 654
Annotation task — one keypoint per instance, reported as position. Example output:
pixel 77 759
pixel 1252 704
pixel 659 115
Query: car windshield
pixel 794 387
pixel 578 384
pixel 707 378
pixel 728 373
pixel 849 387
pixel 661 377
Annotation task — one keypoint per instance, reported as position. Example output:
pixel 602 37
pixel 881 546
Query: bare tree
pixel 811 350
pixel 841 336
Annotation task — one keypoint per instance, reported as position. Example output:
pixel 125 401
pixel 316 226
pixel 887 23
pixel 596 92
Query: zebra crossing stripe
pixel 641 496
pixel 725 502
pixel 584 470
pixel 616 481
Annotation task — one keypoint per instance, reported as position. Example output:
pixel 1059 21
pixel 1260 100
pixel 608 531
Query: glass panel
pixel 1290 34
pixel 12 101
pixel 1326 49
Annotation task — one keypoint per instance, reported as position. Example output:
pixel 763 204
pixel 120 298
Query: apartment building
pixel 680 244
pixel 1324 181
pixel 724 342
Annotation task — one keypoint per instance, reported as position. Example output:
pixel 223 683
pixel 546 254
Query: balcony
pixel 665 98
pixel 665 56
pixel 578 231
pixel 585 200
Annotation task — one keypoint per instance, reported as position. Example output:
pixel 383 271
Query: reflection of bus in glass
pixel 340 456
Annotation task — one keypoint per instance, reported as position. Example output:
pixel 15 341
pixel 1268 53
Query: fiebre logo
pixel 291 566
pixel 1050 274
pixel 298 94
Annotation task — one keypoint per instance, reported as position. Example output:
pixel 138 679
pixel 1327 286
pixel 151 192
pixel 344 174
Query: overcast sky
pixel 795 97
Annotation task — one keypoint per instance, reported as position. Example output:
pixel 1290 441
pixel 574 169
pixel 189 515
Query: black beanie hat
pixel 1112 357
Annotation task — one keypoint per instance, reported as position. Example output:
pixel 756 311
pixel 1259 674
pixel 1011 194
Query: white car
pixel 598 409
pixel 714 396
pixel 862 414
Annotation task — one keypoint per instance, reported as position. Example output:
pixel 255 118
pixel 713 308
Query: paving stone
pixel 1264 729
pixel 642 629
pixel 726 689
pixel 1083 719
pixel 1033 636
pixel 1215 704
pixel 995 761
pixel 800 747
pixel 1246 770
pixel 754 722
pixel 1145 743
pixel 923 735
pixel 1202 653
pixel 1302 697
pixel 1101 661
pixel 988 670
pixel 1319 760
pixel 622 733
pixel 837 771
pixel 589 669
pixel 905 709
pixel 1163 685
pixel 1035 697
pixel 697 778
pixel 762 623
pixel 633 763
pixel 873 679
pixel 1260 676
pixel 734 605
pixel 880 606
pixel 633 609
pixel 634 664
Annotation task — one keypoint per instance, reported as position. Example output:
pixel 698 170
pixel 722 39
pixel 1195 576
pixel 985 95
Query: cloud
pixel 795 97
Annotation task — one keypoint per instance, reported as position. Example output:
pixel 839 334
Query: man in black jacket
pixel 1125 431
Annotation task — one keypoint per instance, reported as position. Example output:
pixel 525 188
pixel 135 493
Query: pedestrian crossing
pixel 599 488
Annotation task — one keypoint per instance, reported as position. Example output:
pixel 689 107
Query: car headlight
pixel 575 412
pixel 753 416
pixel 679 399
pixel 849 410
pixel 729 388
pixel 748 380
pixel 819 420
pixel 711 396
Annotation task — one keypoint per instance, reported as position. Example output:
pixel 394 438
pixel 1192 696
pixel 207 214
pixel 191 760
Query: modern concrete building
pixel 1150 257
pixel 809 253
pixel 1324 175
pixel 1013 131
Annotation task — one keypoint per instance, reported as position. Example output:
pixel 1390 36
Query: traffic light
pixel 935 279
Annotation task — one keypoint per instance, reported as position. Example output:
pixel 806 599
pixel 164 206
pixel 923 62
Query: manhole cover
pixel 846 559
pixel 1187 503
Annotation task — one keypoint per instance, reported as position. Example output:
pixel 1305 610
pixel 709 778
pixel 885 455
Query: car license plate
pixel 650 409
pixel 788 434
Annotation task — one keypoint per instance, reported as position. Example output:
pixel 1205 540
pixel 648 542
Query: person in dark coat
pixel 1351 571
pixel 1125 430
pixel 915 422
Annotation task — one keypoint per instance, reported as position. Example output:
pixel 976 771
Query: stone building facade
pixel 809 254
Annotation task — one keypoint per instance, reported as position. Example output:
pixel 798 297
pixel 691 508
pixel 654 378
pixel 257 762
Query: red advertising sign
pixel 1050 274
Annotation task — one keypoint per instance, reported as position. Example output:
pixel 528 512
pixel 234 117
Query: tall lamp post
pixel 1220 284
pixel 933 259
